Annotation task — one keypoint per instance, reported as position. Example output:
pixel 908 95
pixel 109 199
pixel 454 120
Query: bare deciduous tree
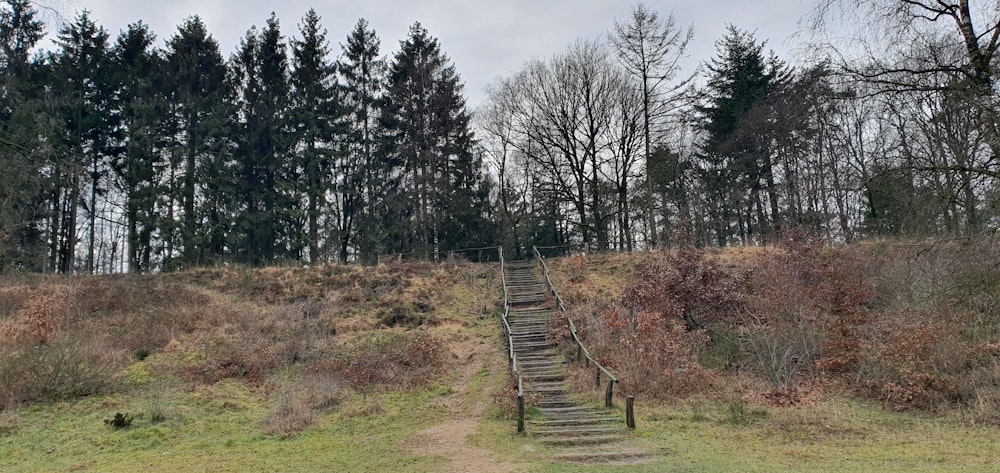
pixel 650 49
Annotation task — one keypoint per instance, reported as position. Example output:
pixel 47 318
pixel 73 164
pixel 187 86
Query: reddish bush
pixel 651 355
pixel 686 285
pixel 389 360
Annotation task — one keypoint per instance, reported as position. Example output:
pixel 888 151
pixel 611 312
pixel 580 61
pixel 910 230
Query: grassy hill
pixel 400 367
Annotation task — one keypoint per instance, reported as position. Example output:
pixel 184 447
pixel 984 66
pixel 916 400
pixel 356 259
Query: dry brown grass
pixel 298 400
pixel 64 337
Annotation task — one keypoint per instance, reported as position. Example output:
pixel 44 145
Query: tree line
pixel 609 144
pixel 120 155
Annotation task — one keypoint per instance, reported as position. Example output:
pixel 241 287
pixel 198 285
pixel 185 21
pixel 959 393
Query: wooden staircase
pixel 578 433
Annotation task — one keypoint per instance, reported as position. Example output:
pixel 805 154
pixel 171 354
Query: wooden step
pixel 581 440
pixel 582 421
pixel 580 431
pixel 582 434
pixel 627 455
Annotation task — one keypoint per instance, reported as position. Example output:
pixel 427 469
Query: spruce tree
pixel 198 112
pixel 366 174
pixel 138 154
pixel 443 201
pixel 316 122
pixel 81 80
pixel 737 174
pixel 266 174
pixel 22 155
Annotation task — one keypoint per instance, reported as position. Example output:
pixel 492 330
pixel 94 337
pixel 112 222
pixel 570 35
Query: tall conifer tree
pixel 738 174
pixel 22 155
pixel 138 157
pixel 198 94
pixel 443 202
pixel 260 68
pixel 366 174
pixel 81 78
pixel 316 120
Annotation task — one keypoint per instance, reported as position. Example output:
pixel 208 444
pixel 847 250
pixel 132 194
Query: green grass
pixel 218 429
pixel 839 436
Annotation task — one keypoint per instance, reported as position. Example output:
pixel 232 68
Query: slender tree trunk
pixel 55 211
pixel 93 213
pixel 188 195
pixel 69 248
pixel 651 213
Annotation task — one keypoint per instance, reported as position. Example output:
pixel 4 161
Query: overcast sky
pixel 485 39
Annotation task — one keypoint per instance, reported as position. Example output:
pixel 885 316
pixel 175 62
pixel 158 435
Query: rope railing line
pixel 510 344
pixel 554 247
pixel 582 351
pixel 436 253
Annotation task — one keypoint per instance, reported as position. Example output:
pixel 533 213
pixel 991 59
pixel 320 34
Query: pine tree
pixel 366 174
pixel 443 203
pixel 737 156
pixel 138 156
pixel 198 93
pixel 21 152
pixel 265 172
pixel 81 79
pixel 316 122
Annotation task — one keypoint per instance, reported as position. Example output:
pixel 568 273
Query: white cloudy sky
pixel 485 38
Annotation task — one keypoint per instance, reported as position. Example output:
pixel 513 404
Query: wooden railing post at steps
pixel 630 412
pixel 609 394
pixel 520 413
pixel 582 352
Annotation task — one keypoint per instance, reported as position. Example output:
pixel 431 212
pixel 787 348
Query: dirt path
pixel 450 439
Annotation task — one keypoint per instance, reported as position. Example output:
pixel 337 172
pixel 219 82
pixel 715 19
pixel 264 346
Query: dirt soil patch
pixel 450 439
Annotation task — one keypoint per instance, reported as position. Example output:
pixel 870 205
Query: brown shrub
pixel 915 325
pixel 805 303
pixel 299 401
pixel 388 360
pixel 65 367
pixel 651 356
pixel 686 285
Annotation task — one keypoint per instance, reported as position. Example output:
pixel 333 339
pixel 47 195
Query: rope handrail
pixel 581 349
pixel 437 253
pixel 510 344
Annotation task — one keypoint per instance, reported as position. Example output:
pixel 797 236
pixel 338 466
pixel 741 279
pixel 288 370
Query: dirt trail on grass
pixel 450 439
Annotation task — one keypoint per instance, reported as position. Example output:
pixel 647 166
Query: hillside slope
pixel 400 367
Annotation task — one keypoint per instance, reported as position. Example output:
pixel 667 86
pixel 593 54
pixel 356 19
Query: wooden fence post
pixel 597 379
pixel 609 394
pixel 630 412
pixel 520 414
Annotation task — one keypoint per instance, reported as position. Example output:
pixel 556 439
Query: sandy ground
pixel 449 439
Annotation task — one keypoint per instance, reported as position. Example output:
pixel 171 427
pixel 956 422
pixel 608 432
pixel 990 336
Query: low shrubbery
pixel 913 325
pixel 388 360
pixel 322 333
